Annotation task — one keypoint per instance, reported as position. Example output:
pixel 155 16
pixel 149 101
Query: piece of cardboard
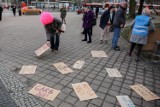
pixel 98 54
pixel 113 72
pixel 42 50
pixel 63 68
pixel 44 92
pixel 79 64
pixel 125 101
pixel 145 93
pixel 30 69
pixel 84 91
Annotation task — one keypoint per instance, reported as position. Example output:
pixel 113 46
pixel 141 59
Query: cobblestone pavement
pixel 21 36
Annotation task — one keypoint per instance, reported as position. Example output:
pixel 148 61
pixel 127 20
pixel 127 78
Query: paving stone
pixel 65 105
pixel 71 100
pixel 106 104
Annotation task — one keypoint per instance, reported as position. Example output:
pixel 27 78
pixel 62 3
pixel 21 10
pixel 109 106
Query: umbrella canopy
pixel 46 18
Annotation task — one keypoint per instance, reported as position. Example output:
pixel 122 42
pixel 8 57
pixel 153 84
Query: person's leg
pixel 103 35
pixel 91 30
pixel 89 35
pixel 139 50
pixel 64 20
pixel 0 16
pixel 106 35
pixel 131 48
pixel 57 41
pixel 115 37
pixel 85 35
pixel 52 42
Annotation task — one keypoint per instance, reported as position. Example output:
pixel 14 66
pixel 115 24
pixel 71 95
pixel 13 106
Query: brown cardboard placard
pixel 42 49
pixel 125 101
pixel 113 72
pixel 98 54
pixel 84 91
pixel 79 64
pixel 63 68
pixel 29 69
pixel 44 92
pixel 144 92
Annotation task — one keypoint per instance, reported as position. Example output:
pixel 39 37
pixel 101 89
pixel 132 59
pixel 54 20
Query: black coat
pixel 104 19
pixel 1 9
pixel 119 18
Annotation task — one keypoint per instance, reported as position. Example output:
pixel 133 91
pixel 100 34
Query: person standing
pixel 118 23
pixel 87 23
pixel 63 14
pixel 97 11
pixel 52 27
pixel 1 10
pixel 140 29
pixel 105 22
pixel 14 10
pixel 19 10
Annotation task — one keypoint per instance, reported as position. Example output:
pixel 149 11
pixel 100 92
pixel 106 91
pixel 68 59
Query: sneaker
pixel 89 42
pixel 116 49
pixel 52 50
pixel 137 59
pixel 101 41
pixel 129 54
pixel 84 40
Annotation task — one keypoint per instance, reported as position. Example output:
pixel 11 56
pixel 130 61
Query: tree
pixel 140 7
pixel 132 8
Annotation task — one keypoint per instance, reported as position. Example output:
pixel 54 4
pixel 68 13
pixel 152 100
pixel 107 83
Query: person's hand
pixel 48 43
pixel 122 25
pixel 57 31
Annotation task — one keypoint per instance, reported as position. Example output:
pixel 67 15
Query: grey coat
pixel 140 39
pixel 52 27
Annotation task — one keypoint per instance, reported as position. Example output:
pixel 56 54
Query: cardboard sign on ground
pixel 98 54
pixel 144 92
pixel 113 72
pixel 30 69
pixel 63 68
pixel 84 91
pixel 44 92
pixel 42 49
pixel 125 101
pixel 79 64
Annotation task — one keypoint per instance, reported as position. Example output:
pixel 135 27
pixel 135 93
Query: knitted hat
pixel 46 18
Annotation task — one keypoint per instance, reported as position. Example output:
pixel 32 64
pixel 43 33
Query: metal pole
pixel 48 5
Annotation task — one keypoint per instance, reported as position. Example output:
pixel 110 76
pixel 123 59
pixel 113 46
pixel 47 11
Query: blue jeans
pixel 115 37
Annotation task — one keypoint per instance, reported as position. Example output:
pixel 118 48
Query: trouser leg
pixel 52 41
pixel 132 47
pixel 85 34
pixel 57 41
pixel 139 50
pixel 115 37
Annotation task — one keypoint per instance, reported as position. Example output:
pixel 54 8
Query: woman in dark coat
pixel 87 23
pixel 63 14
pixel 1 10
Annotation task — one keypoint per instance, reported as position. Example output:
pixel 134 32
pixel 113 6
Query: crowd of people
pixel 111 20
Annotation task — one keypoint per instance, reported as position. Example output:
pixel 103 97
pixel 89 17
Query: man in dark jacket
pixel 1 10
pixel 87 23
pixel 118 23
pixel 104 21
pixel 53 33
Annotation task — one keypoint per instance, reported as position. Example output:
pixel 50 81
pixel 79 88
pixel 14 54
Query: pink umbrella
pixel 46 18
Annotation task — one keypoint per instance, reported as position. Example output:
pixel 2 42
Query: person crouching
pixel 52 27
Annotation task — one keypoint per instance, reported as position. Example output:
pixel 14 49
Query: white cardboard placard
pixel 42 50
pixel 98 54
pixel 44 92
pixel 29 69
pixel 113 72
pixel 63 68
pixel 125 101
pixel 79 64
pixel 84 91
pixel 144 92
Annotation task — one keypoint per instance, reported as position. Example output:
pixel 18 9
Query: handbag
pixel 63 28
